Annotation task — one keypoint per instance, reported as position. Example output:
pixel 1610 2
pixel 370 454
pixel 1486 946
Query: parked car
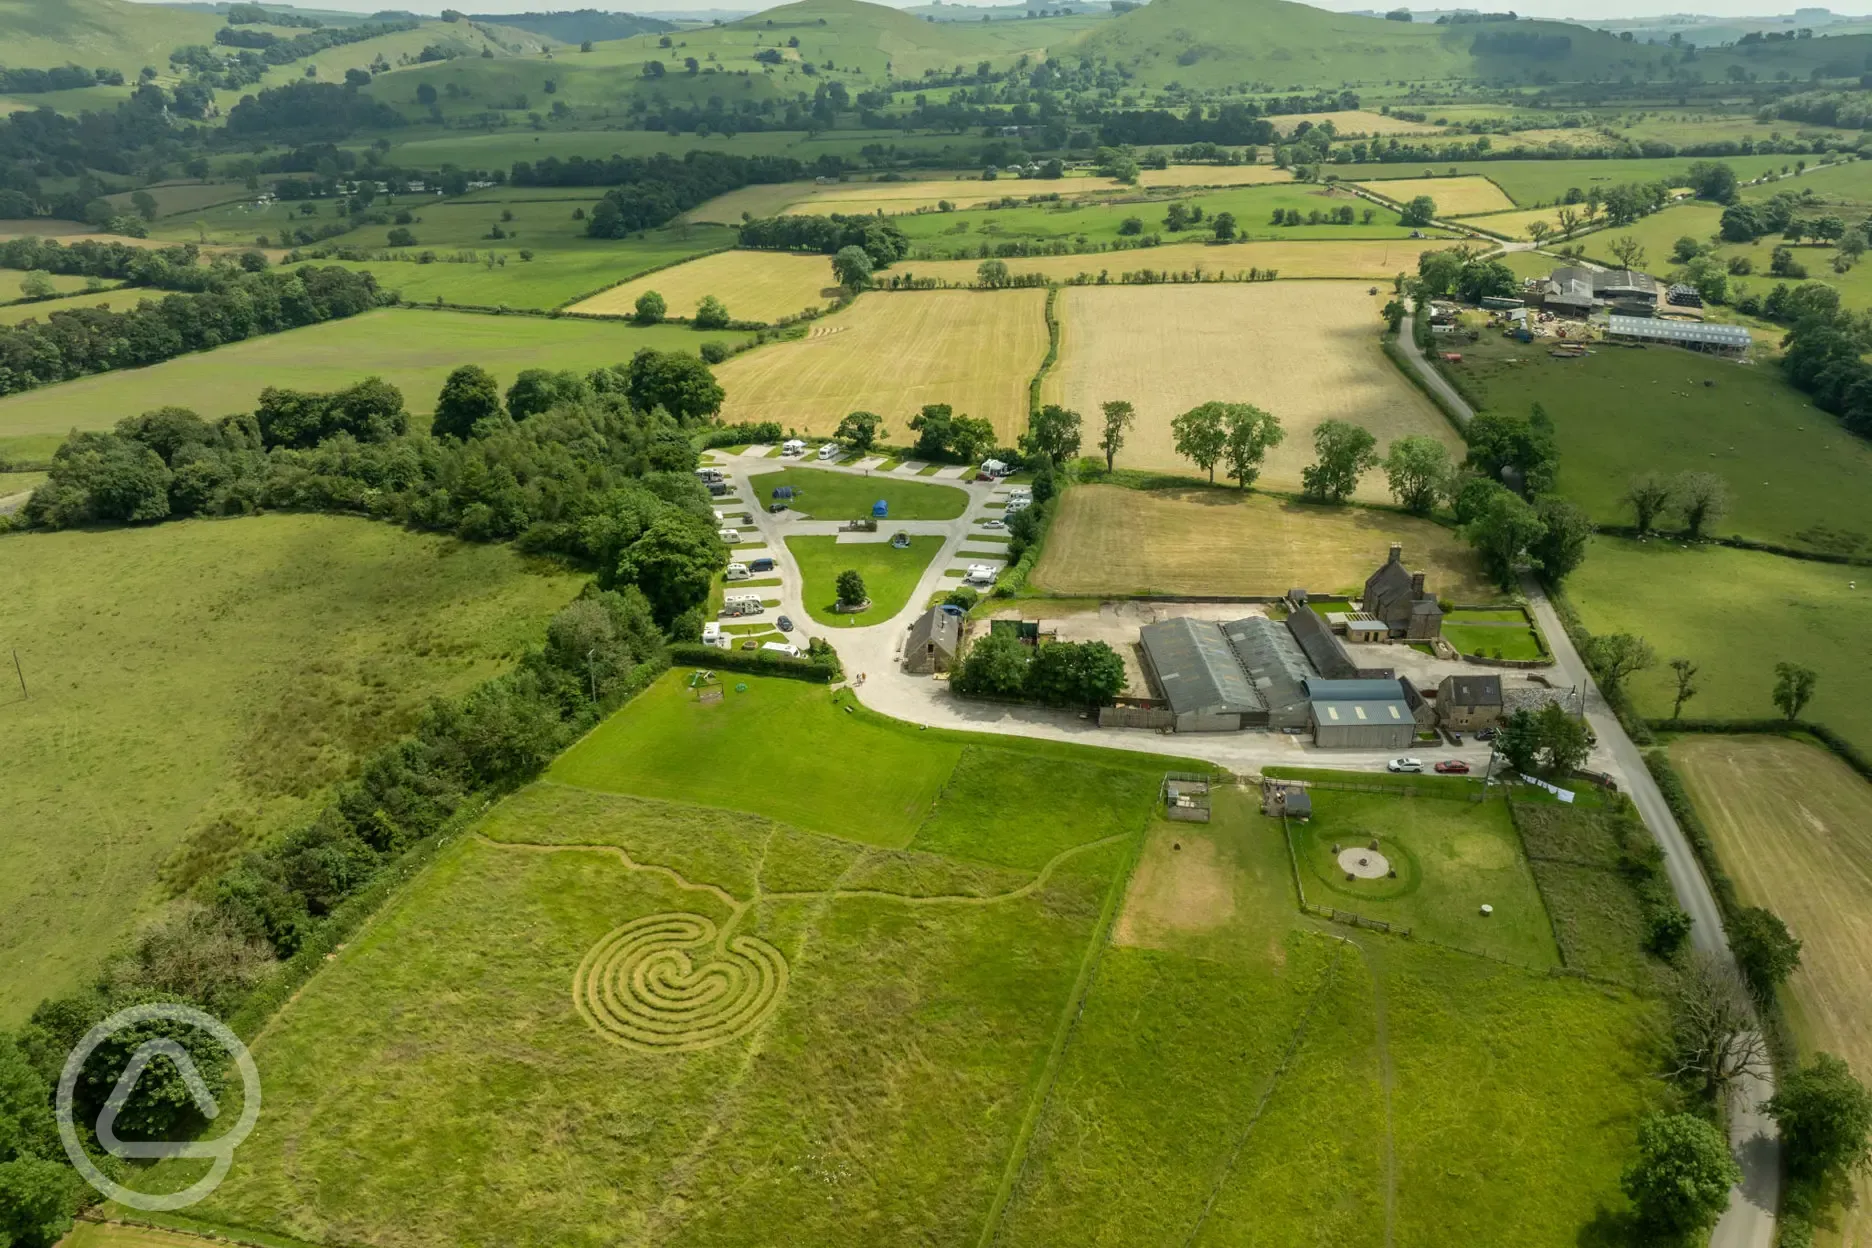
pixel 1404 764
pixel 1452 767
pixel 1487 734
pixel 786 624
pixel 762 564
pixel 994 524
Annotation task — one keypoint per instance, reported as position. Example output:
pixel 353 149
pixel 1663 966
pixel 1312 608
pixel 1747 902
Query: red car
pixel 1453 767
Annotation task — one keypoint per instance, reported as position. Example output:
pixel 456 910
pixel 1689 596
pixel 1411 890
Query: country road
pixel 1749 1222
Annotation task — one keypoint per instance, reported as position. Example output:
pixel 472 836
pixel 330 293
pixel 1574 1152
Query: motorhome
pixel 729 535
pixel 736 572
pixel 742 604
pixel 829 451
pixel 782 647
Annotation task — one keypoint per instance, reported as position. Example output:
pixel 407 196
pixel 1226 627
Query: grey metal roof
pixel 1570 285
pixel 1678 331
pixel 1327 653
pixel 1624 279
pixel 1197 669
pixel 1353 690
pixel 1358 714
pixel 1273 659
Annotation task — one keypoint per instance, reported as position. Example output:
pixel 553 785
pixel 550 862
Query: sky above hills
pixel 1587 12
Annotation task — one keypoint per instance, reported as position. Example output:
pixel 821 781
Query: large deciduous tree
pixel 1681 1179
pixel 1119 416
pixel 852 268
pixel 1200 435
pixel 1793 689
pixel 674 563
pixel 1649 495
pixel 1566 531
pixel 859 430
pixel 1052 434
pixel 1764 948
pixel 1701 499
pixel 1825 1116
pixel 1345 452
pixel 1419 471
pixel 1614 656
pixel 1251 434
pixel 679 383
pixel 469 396
pixel 1501 533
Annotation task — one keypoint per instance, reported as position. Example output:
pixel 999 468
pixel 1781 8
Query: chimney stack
pixel 1397 553
pixel 1416 584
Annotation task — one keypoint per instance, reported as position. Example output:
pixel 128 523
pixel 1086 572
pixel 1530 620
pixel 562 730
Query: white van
pixel 782 647
pixel 736 572
pixel 728 535
pixel 829 451
pixel 981 573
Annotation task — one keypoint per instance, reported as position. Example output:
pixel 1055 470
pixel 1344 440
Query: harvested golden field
pixel 1455 197
pixel 1354 121
pixel 893 197
pixel 1361 259
pixel 1305 351
pixel 893 353
pixel 755 286
pixel 1793 828
pixel 1111 540
pixel 1515 224
pixel 1208 175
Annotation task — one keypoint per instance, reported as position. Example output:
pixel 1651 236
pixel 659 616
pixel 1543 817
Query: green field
pixel 413 350
pixel 1531 183
pixel 1495 634
pixel 827 495
pixel 1087 224
pixel 890 575
pixel 1577 860
pixel 198 685
pixel 1735 614
pixel 1797 478
pixel 10 280
pixel 1234 1056
pixel 1451 857
pixel 964 1017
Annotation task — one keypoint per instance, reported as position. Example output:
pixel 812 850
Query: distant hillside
pixel 97 33
pixel 870 37
pixel 1215 43
pixel 579 26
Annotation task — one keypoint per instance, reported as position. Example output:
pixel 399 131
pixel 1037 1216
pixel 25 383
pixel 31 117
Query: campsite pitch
pixel 826 495
pixel 1305 351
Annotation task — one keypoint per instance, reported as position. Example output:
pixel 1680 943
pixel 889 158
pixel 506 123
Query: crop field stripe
pixel 1070 1014
pixel 1267 1092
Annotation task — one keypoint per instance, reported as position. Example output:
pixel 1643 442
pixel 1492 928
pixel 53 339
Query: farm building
pixel 1624 284
pixel 1276 665
pixel 934 640
pixel 1248 673
pixel 1325 651
pixel 1195 670
pixel 1569 290
pixel 1360 714
pixel 1466 703
pixel 1730 340
pixel 1398 597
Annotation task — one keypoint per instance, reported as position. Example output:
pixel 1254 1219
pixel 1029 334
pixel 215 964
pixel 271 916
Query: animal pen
pixel 1186 796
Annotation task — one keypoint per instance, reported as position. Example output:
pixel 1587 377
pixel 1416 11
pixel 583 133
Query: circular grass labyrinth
pixel 640 986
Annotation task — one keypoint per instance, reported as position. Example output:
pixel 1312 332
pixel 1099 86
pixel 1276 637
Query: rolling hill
pixel 1218 43
pixel 98 33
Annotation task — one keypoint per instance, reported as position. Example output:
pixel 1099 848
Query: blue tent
pixel 880 509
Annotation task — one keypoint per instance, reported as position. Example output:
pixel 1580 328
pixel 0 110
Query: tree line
pixel 881 240
pixel 77 341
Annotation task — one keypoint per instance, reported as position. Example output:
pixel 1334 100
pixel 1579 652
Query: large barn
pixel 1361 714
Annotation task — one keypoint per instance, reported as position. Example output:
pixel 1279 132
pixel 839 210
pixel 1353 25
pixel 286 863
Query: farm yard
pixel 1735 614
pixel 755 286
pixel 209 681
pixel 892 353
pixel 865 909
pixel 1455 197
pixel 412 350
pixel 1111 540
pixel 1170 348
pixel 1793 827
